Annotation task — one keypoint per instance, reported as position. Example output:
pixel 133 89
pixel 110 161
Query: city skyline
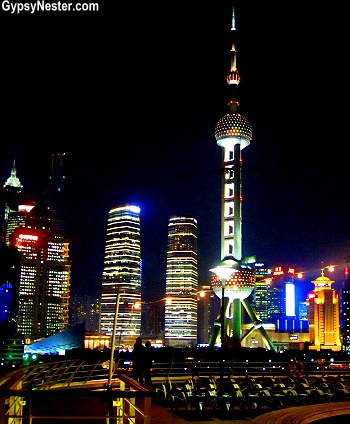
pixel 152 143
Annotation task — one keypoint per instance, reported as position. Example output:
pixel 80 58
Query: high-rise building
pixel 10 199
pixel 324 316
pixel 208 308
pixel 17 219
pixel 153 324
pixel 181 283
pixel 44 277
pixel 260 295
pixel 122 274
pixel 345 308
pixel 282 310
pixel 302 311
pixel 54 196
pixel 85 309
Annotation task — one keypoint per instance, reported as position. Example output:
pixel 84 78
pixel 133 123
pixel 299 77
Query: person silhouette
pixel 148 363
pixel 138 360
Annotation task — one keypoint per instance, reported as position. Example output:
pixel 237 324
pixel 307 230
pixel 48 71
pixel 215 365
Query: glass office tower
pixel 9 199
pixel 45 269
pixel 181 283
pixel 17 219
pixel 122 274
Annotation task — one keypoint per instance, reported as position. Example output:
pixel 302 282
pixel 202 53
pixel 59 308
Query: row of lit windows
pixel 119 262
pixel 58 275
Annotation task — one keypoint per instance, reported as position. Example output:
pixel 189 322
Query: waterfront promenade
pixel 77 391
pixel 328 413
pixel 161 414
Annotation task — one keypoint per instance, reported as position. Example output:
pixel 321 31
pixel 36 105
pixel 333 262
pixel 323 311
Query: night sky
pixel 132 94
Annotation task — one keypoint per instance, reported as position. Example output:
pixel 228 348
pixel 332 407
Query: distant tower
pixel 261 292
pixel 154 313
pixel 323 314
pixel 233 133
pixel 11 197
pixel 208 307
pixel 56 175
pixel 45 275
pixel 181 283
pixel 122 273
pixel 54 196
pixel 86 309
pixel 18 218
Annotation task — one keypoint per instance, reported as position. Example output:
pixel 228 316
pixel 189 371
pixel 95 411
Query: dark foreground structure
pixel 86 391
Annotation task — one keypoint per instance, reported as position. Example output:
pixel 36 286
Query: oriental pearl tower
pixel 233 280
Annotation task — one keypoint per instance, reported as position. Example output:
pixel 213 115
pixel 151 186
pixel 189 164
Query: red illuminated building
pixel 44 276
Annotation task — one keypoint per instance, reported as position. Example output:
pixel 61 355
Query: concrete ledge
pixel 161 415
pixel 303 414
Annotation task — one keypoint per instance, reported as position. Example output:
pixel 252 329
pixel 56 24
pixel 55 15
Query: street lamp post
pixel 111 360
pixel 223 313
pixel 222 330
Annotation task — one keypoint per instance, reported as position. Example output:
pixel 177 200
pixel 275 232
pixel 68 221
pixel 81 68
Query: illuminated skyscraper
pixel 45 276
pixel 17 219
pixel 281 308
pixel 279 302
pixel 323 314
pixel 122 273
pixel 260 295
pixel 181 283
pixel 10 199
pixel 345 310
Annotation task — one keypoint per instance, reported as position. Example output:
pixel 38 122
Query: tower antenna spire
pixel 233 26
pixel 233 78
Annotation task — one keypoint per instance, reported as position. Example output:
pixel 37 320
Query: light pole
pixel 111 360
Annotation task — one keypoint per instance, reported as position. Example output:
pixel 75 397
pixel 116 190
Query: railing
pixel 78 393
pixel 82 372
pixel 25 391
pixel 239 368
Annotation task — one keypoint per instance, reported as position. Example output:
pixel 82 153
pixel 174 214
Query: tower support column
pixel 236 322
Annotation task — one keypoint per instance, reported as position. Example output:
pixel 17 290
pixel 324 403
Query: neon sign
pixel 28 237
pixel 278 270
